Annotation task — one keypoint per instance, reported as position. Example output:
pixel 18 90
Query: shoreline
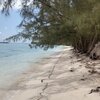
pixel 26 73
pixel 59 76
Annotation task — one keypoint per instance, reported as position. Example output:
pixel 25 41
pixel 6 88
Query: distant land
pixel 4 42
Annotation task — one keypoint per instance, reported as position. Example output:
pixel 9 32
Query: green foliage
pixel 61 22
pixel 88 29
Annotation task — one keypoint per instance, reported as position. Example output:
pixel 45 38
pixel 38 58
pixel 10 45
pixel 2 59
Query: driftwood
pixel 95 53
pixel 95 90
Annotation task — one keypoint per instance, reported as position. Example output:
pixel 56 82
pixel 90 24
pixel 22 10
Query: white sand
pixel 62 76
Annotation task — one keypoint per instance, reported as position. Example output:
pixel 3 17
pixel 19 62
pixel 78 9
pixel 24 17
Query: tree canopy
pixel 59 22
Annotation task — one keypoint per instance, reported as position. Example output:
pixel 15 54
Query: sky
pixel 8 24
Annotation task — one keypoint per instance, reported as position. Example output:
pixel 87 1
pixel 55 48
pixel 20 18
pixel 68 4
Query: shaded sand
pixel 62 76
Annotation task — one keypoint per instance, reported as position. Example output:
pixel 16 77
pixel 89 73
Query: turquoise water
pixel 15 58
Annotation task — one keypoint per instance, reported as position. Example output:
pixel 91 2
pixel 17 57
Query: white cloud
pixel 17 4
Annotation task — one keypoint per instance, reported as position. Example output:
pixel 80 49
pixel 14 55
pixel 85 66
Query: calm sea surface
pixel 15 58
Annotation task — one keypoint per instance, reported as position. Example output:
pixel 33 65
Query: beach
pixel 63 75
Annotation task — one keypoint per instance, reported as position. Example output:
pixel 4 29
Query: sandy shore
pixel 62 76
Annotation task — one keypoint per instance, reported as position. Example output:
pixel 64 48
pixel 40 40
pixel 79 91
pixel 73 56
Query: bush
pixel 87 32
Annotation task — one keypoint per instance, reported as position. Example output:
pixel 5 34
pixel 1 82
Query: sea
pixel 15 58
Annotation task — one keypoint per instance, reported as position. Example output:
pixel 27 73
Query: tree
pixel 59 22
